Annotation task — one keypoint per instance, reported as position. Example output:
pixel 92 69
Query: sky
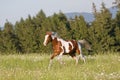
pixel 13 10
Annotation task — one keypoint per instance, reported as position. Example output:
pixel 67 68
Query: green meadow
pixel 35 67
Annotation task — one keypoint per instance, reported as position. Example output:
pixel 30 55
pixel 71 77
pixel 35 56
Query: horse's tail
pixel 85 44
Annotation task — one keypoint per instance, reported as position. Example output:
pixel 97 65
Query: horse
pixel 65 47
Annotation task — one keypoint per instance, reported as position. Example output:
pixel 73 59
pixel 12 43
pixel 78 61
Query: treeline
pixel 27 35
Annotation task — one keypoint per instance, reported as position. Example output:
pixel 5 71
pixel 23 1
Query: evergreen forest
pixel 27 35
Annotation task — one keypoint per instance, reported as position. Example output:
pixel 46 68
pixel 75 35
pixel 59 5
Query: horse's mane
pixel 55 34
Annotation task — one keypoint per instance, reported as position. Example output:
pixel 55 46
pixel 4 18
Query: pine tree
pixel 117 4
pixel 26 31
pixel 100 29
pixel 94 9
pixel 39 18
pixel 78 28
pixel 10 42
pixel 60 25
pixel 1 41
pixel 117 32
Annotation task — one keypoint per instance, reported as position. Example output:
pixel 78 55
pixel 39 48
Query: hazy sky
pixel 13 10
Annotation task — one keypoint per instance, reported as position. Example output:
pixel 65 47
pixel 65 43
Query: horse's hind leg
pixel 79 51
pixel 82 56
pixel 74 57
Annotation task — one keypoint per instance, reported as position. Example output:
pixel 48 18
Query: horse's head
pixel 48 37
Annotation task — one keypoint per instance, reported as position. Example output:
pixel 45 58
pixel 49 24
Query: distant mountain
pixel 113 11
pixel 89 17
pixel 1 28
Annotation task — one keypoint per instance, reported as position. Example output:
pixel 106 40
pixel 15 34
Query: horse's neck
pixel 54 40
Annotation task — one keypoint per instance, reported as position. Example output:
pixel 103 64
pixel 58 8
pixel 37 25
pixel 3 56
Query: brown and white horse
pixel 64 47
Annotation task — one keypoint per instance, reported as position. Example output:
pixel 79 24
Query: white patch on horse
pixel 71 44
pixel 46 36
pixel 65 45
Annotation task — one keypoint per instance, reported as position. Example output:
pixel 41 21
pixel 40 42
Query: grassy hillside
pixel 34 67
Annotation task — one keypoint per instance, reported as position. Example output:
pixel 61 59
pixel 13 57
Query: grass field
pixel 34 67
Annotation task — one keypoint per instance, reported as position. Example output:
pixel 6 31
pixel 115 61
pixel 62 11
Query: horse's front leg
pixel 61 51
pixel 60 58
pixel 51 59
